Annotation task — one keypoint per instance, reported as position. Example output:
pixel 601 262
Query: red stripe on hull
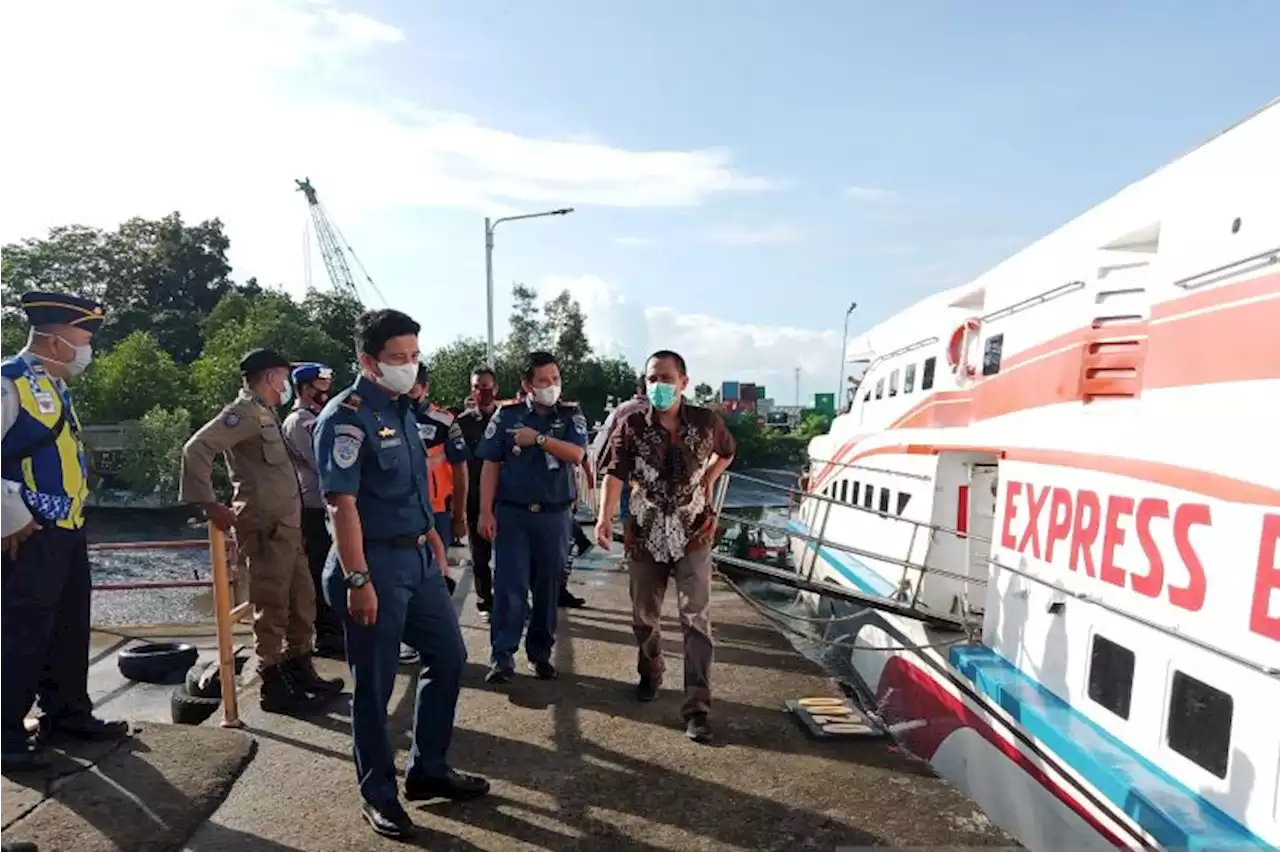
pixel 916 696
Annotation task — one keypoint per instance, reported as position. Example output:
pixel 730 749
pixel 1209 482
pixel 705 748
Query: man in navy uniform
pixel 526 496
pixel 312 383
pixel 384 575
pixel 46 559
pixel 472 423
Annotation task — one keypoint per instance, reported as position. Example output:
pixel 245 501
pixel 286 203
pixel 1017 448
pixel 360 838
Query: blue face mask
pixel 662 395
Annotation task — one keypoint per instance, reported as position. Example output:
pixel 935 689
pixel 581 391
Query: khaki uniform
pixel 268 507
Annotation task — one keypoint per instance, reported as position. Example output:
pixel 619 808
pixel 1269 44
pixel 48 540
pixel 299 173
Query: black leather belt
pixel 400 542
pixel 536 507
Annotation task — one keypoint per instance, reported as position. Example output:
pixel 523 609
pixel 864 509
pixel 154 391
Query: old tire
pixel 157 662
pixel 212 689
pixel 188 709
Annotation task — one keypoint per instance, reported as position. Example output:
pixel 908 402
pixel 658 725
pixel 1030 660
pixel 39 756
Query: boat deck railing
pixel 222 554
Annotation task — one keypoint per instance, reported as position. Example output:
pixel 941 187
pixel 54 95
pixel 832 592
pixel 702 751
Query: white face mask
pixel 398 378
pixel 547 396
pixel 78 363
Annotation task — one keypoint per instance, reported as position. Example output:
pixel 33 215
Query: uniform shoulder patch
pixel 579 422
pixel 346 451
pixel 455 431
pixel 492 428
pixel 352 402
pixel 230 419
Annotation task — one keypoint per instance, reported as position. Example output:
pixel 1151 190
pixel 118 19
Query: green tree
pixel 173 274
pixel 566 333
pixel 528 333
pixel 274 321
pixel 335 314
pixel 129 380
pixel 703 393
pixel 450 367
pixel 153 460
pixel 813 424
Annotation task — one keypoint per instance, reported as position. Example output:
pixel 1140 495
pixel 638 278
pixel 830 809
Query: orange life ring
pixel 956 346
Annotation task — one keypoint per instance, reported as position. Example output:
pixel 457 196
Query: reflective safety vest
pixel 42 449
pixel 440 477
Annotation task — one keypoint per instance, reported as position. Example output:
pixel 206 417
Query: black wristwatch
pixel 356 579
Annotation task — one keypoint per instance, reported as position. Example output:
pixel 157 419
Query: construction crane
pixel 334 248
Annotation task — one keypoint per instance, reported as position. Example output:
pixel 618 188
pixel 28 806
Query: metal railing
pixel 225 612
pixel 913 609
pixel 898 604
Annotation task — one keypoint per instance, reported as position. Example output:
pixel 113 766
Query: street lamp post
pixel 489 227
pixel 844 343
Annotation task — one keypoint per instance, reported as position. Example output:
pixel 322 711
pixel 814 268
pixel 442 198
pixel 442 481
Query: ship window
pixel 909 379
pixel 884 500
pixel 903 499
pixel 893 383
pixel 926 377
pixel 880 388
pixel 1111 676
pixel 866 397
pixel 868 496
pixel 991 355
pixel 853 497
pixel 844 491
pixel 1200 723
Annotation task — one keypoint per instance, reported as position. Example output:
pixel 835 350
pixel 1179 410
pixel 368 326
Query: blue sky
pixel 817 152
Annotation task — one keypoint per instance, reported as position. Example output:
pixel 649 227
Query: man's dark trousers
pixel 316 542
pixel 481 555
pixel 45 631
pixel 413 604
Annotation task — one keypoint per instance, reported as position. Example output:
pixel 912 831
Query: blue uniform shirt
pixel 533 475
pixel 367 444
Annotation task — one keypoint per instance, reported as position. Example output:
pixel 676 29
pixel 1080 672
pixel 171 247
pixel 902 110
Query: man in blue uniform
pixel 46 559
pixel 381 577
pixel 526 494
pixel 312 383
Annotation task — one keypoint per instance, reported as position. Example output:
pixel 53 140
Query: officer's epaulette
pixel 352 402
pixel 569 404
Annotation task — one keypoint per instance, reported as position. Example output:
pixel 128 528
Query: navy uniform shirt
pixel 367 444
pixel 472 423
pixel 533 475
pixel 437 426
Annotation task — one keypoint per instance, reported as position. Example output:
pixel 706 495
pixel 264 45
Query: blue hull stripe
pixel 1174 814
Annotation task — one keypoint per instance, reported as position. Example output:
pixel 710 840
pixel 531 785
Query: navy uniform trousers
pixel 45 630
pixel 528 556
pixel 413 605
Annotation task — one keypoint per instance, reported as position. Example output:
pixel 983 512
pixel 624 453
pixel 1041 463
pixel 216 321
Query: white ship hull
pixel 1078 451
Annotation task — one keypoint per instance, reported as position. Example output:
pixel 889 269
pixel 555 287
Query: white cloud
pixel 755 235
pixel 715 349
pixel 141 107
pixel 869 193
pixel 634 242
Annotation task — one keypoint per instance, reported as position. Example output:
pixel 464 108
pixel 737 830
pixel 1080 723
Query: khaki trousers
pixel 281 591
pixel 693 597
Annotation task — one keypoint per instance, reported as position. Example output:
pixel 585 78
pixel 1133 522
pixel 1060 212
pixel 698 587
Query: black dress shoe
pixel 16 762
pixel 388 820
pixel 454 785
pixel 497 674
pixel 19 846
pixel 84 727
pixel 648 687
pixel 697 728
pixel 545 671
pixel 568 600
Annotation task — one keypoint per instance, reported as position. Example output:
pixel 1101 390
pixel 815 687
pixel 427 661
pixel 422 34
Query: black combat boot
pixel 282 693
pixel 303 669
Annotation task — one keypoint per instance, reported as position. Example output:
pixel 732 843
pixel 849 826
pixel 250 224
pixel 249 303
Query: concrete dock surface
pixel 577 763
